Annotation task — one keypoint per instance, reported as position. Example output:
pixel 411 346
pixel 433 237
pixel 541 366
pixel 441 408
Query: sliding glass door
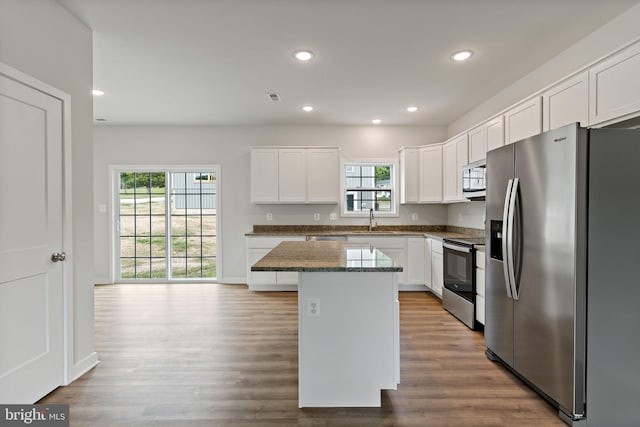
pixel 167 225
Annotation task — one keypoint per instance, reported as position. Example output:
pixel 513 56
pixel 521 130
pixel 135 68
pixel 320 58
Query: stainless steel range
pixel 459 293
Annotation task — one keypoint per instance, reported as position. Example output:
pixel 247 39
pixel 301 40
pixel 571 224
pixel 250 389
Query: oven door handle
pixel 505 233
pixel 456 247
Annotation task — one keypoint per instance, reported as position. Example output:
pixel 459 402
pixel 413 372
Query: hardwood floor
pixel 219 355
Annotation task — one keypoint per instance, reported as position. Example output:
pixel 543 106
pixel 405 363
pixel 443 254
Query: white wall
pixel 612 36
pixel 229 147
pixel 40 38
pixel 469 214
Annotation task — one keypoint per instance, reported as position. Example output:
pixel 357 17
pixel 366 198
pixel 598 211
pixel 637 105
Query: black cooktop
pixel 466 241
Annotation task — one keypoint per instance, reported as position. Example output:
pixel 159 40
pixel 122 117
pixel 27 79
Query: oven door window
pixel 458 268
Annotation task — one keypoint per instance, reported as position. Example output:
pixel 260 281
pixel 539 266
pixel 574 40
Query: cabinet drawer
pixel 381 242
pixel 480 281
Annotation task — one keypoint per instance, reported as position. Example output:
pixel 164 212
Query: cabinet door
pixel 567 102
pixel 524 120
pixel 264 175
pixel 477 143
pixel 495 133
pixel 455 157
pixel 449 175
pixel 614 87
pixel 409 175
pixel 462 158
pixel 415 261
pixel 437 274
pixel 430 165
pixel 323 175
pixel 427 262
pixel 292 172
pixel 259 277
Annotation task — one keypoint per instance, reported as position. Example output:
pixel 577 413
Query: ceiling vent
pixel 274 97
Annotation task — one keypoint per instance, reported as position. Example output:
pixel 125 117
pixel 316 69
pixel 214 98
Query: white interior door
pixel 31 284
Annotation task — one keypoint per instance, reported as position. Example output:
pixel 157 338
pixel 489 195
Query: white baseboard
pixel 102 281
pixel 273 287
pixel 85 365
pixel 233 280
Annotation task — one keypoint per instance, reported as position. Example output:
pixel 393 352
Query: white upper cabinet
pixel 477 143
pixel 323 175
pixel 523 120
pixel 566 102
pixel 430 172
pixel 409 175
pixel 615 87
pixel 292 165
pixel 264 175
pixel 486 137
pixel 455 156
pixel 495 133
pixel 295 175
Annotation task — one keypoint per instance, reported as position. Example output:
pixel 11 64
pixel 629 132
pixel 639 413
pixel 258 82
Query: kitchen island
pixel 348 320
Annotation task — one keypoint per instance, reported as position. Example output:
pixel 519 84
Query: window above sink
pixel 369 185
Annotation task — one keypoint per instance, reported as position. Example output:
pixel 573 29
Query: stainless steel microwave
pixel 474 180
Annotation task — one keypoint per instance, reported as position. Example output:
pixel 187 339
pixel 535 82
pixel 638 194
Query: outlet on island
pixel 313 307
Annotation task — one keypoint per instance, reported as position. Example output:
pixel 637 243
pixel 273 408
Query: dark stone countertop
pixel 326 256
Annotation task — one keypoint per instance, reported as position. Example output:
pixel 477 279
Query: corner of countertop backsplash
pixel 472 232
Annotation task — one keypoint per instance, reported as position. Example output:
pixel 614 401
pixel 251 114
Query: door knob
pixel 58 256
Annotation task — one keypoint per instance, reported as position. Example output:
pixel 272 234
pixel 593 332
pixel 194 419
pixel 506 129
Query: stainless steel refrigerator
pixel 562 273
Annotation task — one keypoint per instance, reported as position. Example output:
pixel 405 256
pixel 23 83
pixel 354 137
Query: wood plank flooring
pixel 219 355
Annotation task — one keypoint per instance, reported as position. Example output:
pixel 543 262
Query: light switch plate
pixel 269 216
pixel 316 216
pixel 333 216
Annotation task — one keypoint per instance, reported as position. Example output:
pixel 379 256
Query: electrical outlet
pixel 414 216
pixel 333 216
pixel 313 307
pixel 316 216
pixel 269 216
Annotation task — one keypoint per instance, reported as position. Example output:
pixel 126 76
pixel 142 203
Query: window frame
pixel 393 187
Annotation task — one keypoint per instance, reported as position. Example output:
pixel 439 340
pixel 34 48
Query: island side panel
pixel 349 349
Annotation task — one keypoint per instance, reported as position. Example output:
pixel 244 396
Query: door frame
pixel 114 188
pixel 67 210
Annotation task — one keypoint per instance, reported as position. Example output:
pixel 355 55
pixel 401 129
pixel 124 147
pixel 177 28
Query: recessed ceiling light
pixel 376 121
pixel 303 55
pixel 412 109
pixel 463 55
pixel 97 92
pixel 308 108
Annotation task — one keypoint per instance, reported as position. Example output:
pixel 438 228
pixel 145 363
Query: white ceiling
pixel 215 61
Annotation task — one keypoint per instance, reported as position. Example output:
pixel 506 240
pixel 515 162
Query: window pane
pixel 178 246
pixel 361 180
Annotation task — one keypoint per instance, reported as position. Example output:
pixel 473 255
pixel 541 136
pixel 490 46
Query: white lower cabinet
pixel 437 268
pixel 427 262
pixel 257 247
pixel 415 262
pixel 409 252
pixel 480 276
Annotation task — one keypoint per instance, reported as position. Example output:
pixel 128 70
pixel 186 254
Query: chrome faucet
pixel 372 224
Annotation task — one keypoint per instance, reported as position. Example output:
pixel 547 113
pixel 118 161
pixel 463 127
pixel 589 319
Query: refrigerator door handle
pixel 510 254
pixel 505 233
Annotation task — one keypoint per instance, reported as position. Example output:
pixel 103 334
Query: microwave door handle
pixel 512 213
pixel 505 231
